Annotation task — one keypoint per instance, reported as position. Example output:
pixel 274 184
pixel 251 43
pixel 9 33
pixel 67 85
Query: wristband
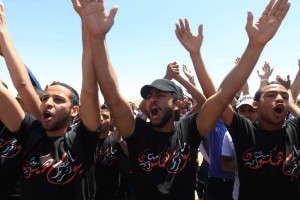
pixel 264 80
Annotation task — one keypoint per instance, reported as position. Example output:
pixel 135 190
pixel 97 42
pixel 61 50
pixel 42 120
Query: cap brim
pixel 244 103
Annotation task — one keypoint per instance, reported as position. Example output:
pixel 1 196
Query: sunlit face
pixel 159 107
pixel 273 104
pixel 248 111
pixel 56 108
pixel 106 121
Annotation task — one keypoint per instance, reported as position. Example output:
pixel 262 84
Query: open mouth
pixel 154 111
pixel 47 115
pixel 278 109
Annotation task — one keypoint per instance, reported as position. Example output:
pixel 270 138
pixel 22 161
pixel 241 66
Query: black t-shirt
pixel 107 167
pixel 165 163
pixel 268 161
pixel 10 163
pixel 58 167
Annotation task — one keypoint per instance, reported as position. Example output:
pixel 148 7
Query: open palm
pixel 265 28
pixel 94 16
pixel 191 42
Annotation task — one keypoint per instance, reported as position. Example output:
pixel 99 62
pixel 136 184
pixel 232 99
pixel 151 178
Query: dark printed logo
pixel 174 162
pixel 256 159
pixel 9 147
pixel 61 172
pixel 107 156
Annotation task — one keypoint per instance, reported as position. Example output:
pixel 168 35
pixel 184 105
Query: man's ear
pixel 75 111
pixel 177 104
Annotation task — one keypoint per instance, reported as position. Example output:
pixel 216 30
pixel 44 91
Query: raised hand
pixel 172 70
pixel 191 42
pixel 3 26
pixel 266 71
pixel 94 17
pixel 264 29
pixel 285 82
pixel 188 73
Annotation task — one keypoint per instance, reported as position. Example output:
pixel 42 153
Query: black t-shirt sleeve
pixel 240 127
pixel 28 125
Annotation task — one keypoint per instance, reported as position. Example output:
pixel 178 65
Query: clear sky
pixel 142 41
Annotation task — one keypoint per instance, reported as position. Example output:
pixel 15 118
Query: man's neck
pixel 58 132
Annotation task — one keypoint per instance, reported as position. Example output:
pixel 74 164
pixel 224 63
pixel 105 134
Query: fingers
pixel 1 6
pixel 82 3
pixel 270 9
pixel 278 8
pixel 76 5
pixel 187 25
pixel 113 11
pixel 285 9
pixel 178 31
pixel 249 19
pixel 183 27
pixel 200 30
pixel 181 24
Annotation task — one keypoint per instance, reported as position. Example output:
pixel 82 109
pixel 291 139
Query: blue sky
pixel 142 41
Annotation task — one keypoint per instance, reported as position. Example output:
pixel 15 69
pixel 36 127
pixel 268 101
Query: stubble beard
pixel 165 119
pixel 58 124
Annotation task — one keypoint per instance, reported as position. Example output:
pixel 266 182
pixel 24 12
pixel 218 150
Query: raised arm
pixel 172 70
pixel 192 43
pixel 295 86
pixel 259 34
pixel 192 90
pixel 17 69
pixel 188 73
pixel 89 99
pixel 98 24
pixel 265 74
pixel 11 113
pixel 292 108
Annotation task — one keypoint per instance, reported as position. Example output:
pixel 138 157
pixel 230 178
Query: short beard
pixel 167 116
pixel 61 123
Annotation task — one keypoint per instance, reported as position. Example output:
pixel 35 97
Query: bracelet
pixel 264 80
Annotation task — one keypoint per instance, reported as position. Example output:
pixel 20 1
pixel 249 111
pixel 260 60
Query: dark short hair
pixel 105 107
pixel 74 97
pixel 259 92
